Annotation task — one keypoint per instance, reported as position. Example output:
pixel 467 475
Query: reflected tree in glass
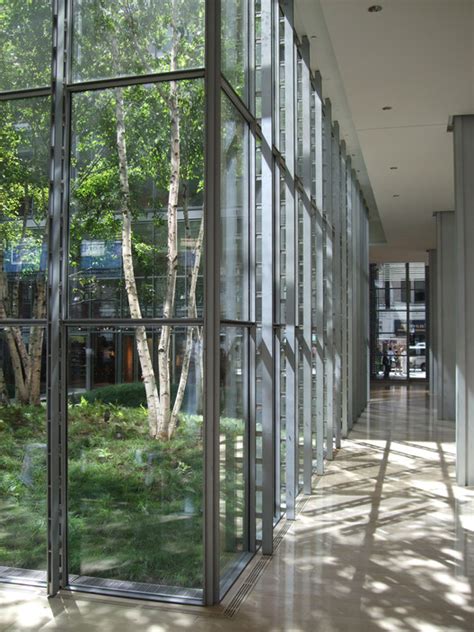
pixel 24 186
pixel 25 44
pixel 134 37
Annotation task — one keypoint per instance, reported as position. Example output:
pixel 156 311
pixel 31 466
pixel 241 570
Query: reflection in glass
pixel 234 214
pixel 232 445
pixel 24 190
pixel 113 38
pixel 136 230
pixel 23 453
pixel 235 44
pixel 25 44
pixel 135 498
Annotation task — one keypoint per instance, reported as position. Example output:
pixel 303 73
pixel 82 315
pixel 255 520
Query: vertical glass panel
pixel 233 447
pixel 23 454
pixel 25 44
pixel 234 214
pixel 24 188
pixel 417 349
pixel 135 459
pixel 283 417
pixel 235 50
pixel 113 38
pixel 136 230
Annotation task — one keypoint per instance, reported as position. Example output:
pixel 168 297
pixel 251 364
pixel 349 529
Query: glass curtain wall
pixel 398 315
pixel 183 280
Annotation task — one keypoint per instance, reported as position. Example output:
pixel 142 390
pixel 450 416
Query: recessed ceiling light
pixel 375 8
pixel 387 107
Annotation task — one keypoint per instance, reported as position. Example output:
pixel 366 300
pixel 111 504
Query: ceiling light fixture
pixel 375 8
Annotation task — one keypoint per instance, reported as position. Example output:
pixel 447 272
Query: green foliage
pixel 135 505
pixel 128 395
pixel 25 43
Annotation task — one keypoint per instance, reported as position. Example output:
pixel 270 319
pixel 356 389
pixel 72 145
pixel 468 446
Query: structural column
pixel 464 188
pixel 433 325
pixel 446 329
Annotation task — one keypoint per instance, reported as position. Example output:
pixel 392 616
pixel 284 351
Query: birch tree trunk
pixel 144 355
pixel 192 313
pixel 11 334
pixel 172 255
pixel 36 343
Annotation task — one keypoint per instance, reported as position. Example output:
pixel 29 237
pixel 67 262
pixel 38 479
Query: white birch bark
pixel 144 355
pixel 172 255
pixel 35 346
pixel 21 393
pixel 192 313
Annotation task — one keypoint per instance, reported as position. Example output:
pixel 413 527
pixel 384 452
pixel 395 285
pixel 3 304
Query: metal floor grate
pixel 78 581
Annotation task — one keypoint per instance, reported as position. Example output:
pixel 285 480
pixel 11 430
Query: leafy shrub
pixel 130 395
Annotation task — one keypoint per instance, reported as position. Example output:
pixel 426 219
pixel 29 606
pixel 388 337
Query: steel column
pixel 336 219
pixel 305 338
pixel 267 341
pixel 328 286
pixel 56 483
pixel 212 302
pixel 319 254
pixel 291 268
pixel 464 189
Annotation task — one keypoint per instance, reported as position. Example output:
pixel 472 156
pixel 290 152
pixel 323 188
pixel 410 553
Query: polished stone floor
pixel 386 543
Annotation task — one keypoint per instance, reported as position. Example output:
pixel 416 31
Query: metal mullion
pixel 344 320
pixel 239 104
pixel 131 322
pixel 134 80
pixel 22 322
pixel 252 419
pixel 211 533
pixel 349 291
pixel 249 27
pixel 307 272
pixel 328 295
pixel 276 281
pixel 291 269
pixel 237 323
pixel 366 303
pixel 352 330
pixel 29 93
pixel 55 484
pixel 336 218
pixel 356 298
pixel 408 297
pixel 267 243
pixel 64 262
pixel 359 300
pixel 277 336
pixel 319 288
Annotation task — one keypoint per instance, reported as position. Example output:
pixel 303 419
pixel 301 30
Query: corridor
pixel 386 543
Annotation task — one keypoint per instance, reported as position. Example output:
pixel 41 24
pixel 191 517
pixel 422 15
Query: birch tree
pixel 23 237
pixel 160 43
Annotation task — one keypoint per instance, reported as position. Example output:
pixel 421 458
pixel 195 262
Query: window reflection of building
pixel 398 306
pixel 96 284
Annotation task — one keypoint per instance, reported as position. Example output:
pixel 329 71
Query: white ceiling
pixel 418 57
